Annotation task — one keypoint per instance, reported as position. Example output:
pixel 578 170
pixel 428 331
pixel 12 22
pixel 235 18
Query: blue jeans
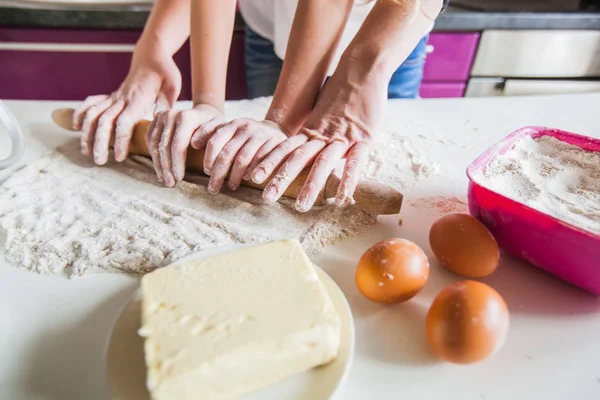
pixel 263 68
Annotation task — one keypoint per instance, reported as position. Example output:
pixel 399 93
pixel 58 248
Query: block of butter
pixel 230 324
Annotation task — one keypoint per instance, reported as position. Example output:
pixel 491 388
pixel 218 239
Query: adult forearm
pixel 388 36
pixel 316 31
pixel 210 40
pixel 168 26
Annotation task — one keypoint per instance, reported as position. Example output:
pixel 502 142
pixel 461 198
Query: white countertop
pixel 53 330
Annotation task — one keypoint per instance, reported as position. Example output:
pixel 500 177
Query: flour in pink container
pixel 551 176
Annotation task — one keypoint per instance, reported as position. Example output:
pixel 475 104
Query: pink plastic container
pixel 559 248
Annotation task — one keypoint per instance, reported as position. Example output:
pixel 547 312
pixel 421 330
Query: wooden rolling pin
pixel 372 197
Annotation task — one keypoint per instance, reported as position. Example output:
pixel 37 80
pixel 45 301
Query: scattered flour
pixel 64 214
pixel 400 162
pixel 551 176
pixel 441 205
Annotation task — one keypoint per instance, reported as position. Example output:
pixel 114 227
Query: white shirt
pixel 272 19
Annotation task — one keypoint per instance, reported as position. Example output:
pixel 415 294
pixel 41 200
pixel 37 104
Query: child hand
pixel 239 146
pixel 170 134
pixel 153 79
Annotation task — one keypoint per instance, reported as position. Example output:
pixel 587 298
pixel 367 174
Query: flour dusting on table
pixel 441 205
pixel 62 212
pixel 400 161
pixel 551 176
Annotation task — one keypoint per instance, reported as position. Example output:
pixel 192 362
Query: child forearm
pixel 316 31
pixel 168 26
pixel 210 40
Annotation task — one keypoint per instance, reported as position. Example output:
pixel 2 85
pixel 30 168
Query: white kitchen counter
pixel 53 331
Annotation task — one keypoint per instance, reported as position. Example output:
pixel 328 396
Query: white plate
pixel 126 368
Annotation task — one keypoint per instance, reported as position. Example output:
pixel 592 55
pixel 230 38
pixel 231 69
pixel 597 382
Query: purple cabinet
pixel 68 64
pixel 449 61
pixel 450 56
pixel 236 68
pixel 50 64
pixel 435 90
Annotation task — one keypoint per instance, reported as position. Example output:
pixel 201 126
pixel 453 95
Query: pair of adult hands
pixel 341 125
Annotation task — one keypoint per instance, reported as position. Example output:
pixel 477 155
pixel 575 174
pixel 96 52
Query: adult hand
pixel 342 124
pixel 170 134
pixel 153 79
pixel 239 146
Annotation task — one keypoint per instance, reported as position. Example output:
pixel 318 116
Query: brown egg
pixel 464 245
pixel 467 322
pixel 392 271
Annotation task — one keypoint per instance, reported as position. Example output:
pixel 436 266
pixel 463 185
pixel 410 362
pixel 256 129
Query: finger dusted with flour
pixel 170 135
pixel 235 146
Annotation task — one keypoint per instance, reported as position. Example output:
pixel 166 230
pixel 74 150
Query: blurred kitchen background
pixel 69 49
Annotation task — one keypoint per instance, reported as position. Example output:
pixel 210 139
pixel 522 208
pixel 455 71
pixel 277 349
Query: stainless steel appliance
pixel 535 62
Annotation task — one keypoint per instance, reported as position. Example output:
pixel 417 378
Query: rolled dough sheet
pixel 64 214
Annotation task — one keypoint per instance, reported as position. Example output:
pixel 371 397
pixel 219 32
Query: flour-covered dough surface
pixel 63 213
